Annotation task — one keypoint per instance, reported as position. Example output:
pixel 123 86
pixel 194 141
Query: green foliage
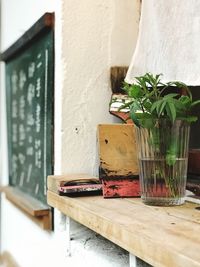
pixel 149 97
pixel 150 100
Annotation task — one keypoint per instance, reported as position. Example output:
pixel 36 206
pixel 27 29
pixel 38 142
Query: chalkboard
pixel 29 89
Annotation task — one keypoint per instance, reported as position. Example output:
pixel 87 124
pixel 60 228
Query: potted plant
pixel 162 113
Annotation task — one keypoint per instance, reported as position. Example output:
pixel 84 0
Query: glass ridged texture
pixel 163 158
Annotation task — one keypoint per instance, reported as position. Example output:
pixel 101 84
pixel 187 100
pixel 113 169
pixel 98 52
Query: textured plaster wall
pixel 91 36
pixel 96 35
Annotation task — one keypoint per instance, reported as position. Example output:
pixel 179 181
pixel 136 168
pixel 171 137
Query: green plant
pixel 148 99
pixel 156 108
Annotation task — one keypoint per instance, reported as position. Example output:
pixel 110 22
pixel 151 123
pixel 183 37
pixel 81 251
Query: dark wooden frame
pixel 45 23
pixel 34 209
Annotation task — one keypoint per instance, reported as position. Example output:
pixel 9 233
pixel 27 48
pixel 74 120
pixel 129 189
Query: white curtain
pixel 168 41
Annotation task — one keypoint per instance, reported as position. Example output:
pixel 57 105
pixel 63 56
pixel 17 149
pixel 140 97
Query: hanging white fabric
pixel 168 41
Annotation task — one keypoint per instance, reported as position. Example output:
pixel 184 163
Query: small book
pixel 75 185
pixel 81 187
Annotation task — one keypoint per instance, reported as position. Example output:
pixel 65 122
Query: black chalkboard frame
pixel 42 26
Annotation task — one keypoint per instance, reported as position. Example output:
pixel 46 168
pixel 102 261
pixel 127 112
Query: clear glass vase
pixel 163 157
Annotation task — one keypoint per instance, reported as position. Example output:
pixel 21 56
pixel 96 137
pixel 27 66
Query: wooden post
pixel 132 260
pixel 118 168
pixel 117 75
pixel 64 227
pixel 68 236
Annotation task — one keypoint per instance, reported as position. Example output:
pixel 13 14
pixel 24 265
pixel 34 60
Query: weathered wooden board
pixel 119 96
pixel 117 76
pixel 117 149
pixel 33 208
pixel 124 187
pixel 161 236
pixel 7 260
pixel 118 160
pixel 117 109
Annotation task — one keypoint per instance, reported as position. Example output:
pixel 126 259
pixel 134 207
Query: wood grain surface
pixel 161 236
pixel 33 208
pixel 117 149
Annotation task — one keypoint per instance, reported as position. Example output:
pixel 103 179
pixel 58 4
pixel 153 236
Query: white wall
pixel 18 16
pixel 102 34
pixel 91 36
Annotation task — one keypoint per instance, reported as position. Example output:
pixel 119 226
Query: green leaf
pixel 158 77
pixel 195 103
pixel 134 118
pixel 172 95
pixel 178 105
pixel 148 93
pixel 185 100
pixel 125 105
pixel 158 107
pixel 170 158
pixel 135 107
pixel 154 106
pixel 141 82
pixel 145 120
pixel 171 111
pixel 150 79
pixel 189 119
pixel 181 85
pixel 135 91
pixel 172 151
pixel 162 108
pixel 147 104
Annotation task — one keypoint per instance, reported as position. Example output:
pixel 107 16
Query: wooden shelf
pixel 36 210
pixel 6 259
pixel 161 236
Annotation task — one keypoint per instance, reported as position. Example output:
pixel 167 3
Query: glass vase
pixel 163 157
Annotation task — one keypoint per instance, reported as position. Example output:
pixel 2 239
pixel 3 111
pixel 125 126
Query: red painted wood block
pixel 118 170
pixel 120 188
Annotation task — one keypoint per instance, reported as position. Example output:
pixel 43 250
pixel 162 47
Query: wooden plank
pixel 118 168
pixel 117 76
pixel 117 149
pixel 36 210
pixel 7 260
pixel 161 236
pixel 29 204
pixel 45 23
pixel 117 109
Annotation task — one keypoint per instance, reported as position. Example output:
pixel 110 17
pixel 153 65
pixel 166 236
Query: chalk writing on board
pixel 28 116
pixel 22 107
pixel 29 96
pixel 29 84
pixel 22 79
pixel 31 69
pixel 38 87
